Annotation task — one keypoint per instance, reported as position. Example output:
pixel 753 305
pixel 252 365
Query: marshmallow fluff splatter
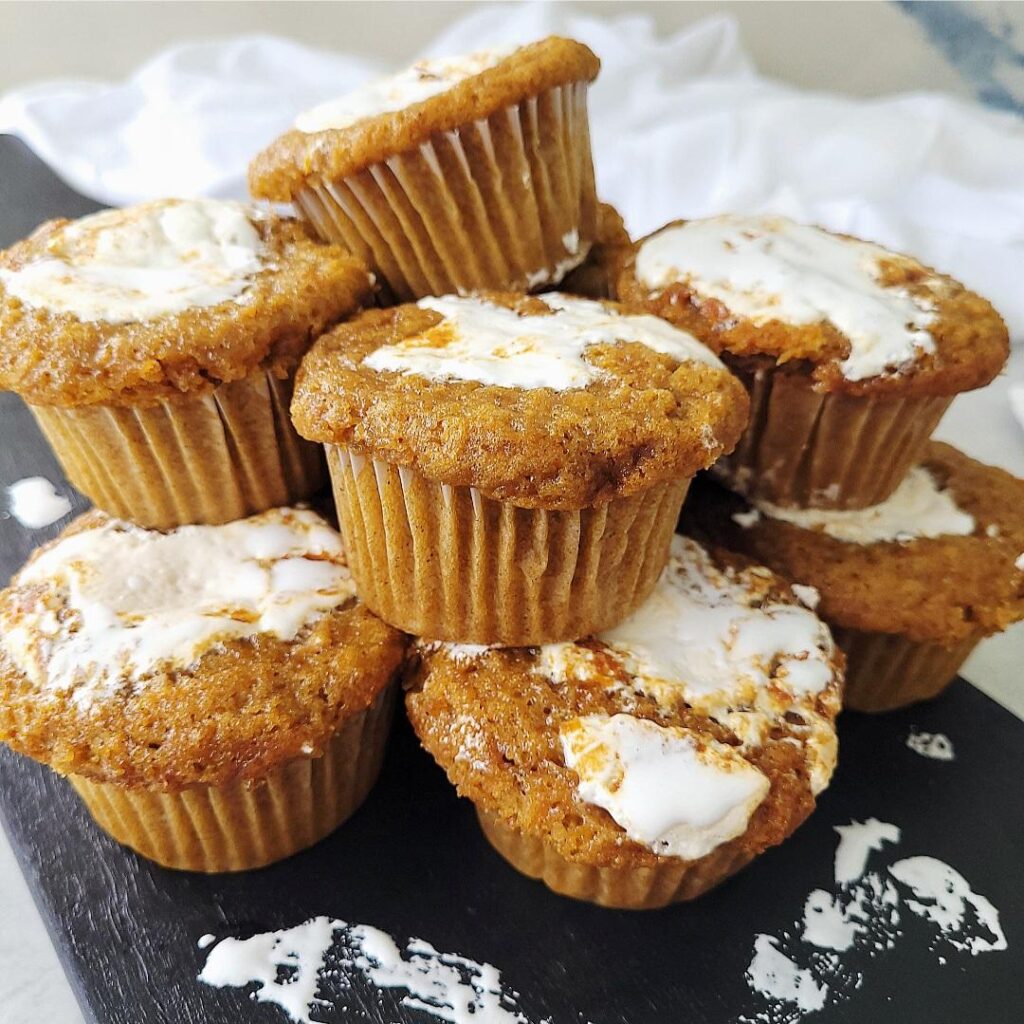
pixel 803 969
pixel 296 968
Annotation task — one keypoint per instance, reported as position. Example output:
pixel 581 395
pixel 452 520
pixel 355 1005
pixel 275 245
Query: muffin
pixel 216 694
pixel 909 586
pixel 458 174
pixel 507 469
pixel 595 277
pixel 645 765
pixel 157 345
pixel 851 353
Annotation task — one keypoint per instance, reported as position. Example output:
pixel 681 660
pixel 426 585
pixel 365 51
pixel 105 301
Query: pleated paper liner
pixel 507 202
pixel 809 450
pixel 674 881
pixel 885 671
pixel 209 458
pixel 448 564
pixel 246 825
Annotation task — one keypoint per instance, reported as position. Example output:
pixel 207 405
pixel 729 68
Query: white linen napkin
pixel 682 126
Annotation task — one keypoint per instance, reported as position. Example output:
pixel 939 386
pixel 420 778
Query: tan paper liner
pixel 448 564
pixel 809 450
pixel 202 459
pixel 886 671
pixel 504 203
pixel 246 825
pixel 675 881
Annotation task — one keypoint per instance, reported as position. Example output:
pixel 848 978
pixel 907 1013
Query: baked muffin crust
pixel 620 418
pixel 235 649
pixel 908 329
pixel 287 289
pixel 279 171
pixel 942 589
pixel 505 724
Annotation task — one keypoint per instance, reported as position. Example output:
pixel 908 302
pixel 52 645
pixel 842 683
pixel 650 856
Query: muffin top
pixel 707 717
pixel 940 561
pixel 858 318
pixel 395 114
pixel 202 655
pixel 551 402
pixel 140 304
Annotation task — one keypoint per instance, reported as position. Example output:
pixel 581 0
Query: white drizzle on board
pixel 770 268
pixel 35 502
pixel 802 970
pixel 935 745
pixel 481 341
pixel 446 986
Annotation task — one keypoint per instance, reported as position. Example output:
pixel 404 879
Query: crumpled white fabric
pixel 682 126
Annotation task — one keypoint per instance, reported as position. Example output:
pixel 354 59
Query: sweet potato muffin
pixel 216 695
pixel 909 586
pixel 851 353
pixel 596 277
pixel 509 469
pixel 157 344
pixel 457 174
pixel 647 764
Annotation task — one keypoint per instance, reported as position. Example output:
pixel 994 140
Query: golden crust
pixel 971 340
pixel 56 359
pixel 596 276
pixel 492 723
pixel 282 168
pixel 942 590
pixel 244 708
pixel 651 419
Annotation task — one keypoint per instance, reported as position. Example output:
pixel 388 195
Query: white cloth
pixel 682 126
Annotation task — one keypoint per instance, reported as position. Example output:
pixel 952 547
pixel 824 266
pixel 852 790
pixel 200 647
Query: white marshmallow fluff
pixel 118 602
pixel 769 268
pixel 144 262
pixel 918 508
pixel 716 641
pixel 674 791
pixel 480 341
pixel 424 80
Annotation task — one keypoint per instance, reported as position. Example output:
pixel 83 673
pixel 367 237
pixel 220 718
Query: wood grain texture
pixel 413 862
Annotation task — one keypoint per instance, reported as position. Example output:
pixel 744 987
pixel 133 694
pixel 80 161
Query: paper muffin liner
pixel 885 671
pixel 809 450
pixel 246 825
pixel 447 563
pixel 506 203
pixel 674 881
pixel 206 458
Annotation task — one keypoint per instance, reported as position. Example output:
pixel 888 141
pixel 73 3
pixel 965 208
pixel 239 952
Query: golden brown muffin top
pixel 400 113
pixel 941 589
pixel 198 656
pixel 596 276
pixel 143 304
pixel 547 402
pixel 706 718
pixel 857 318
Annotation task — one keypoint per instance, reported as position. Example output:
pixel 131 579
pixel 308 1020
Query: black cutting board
pixel 413 862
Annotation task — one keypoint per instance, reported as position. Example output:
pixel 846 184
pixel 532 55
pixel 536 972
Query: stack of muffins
pixel 635 714
pixel 850 354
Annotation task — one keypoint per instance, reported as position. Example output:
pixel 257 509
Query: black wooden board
pixel 413 862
